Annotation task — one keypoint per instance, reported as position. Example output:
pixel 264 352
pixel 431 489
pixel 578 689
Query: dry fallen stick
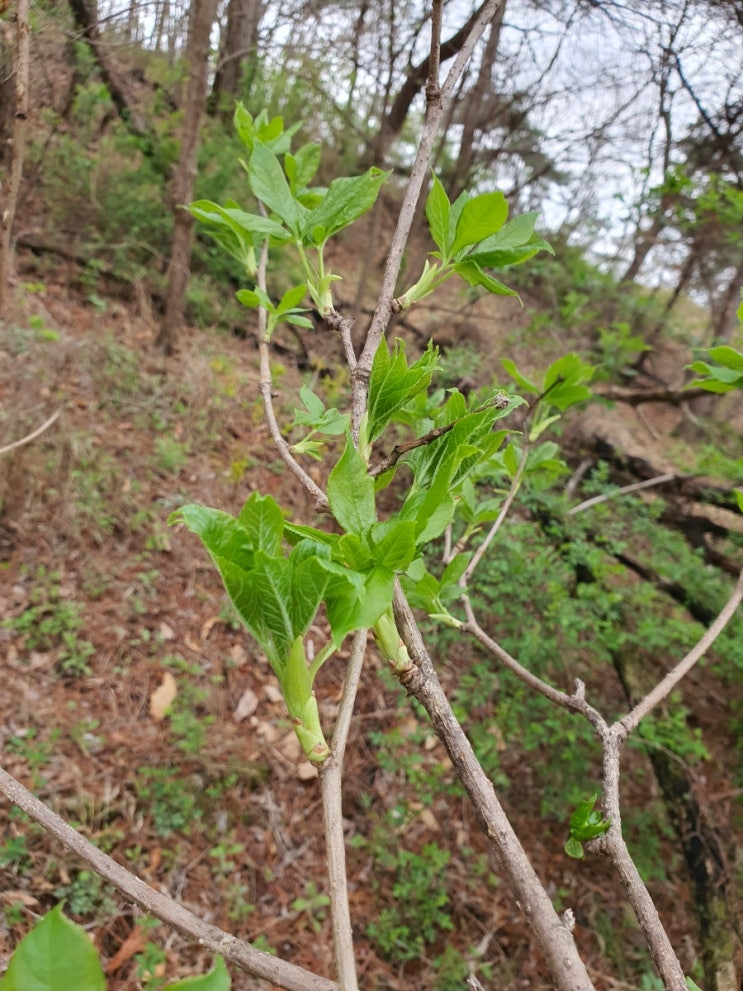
pixel 29 437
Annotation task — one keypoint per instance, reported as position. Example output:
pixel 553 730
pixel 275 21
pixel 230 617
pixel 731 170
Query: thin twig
pixel 573 703
pixel 433 91
pixel 661 950
pixel 418 175
pixel 237 951
pixel 307 483
pixel 666 686
pixel 29 437
pixel 410 445
pixel 331 781
pixel 507 503
pixel 635 487
pixel 344 326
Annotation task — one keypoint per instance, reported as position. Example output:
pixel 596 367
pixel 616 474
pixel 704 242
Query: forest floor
pixel 110 615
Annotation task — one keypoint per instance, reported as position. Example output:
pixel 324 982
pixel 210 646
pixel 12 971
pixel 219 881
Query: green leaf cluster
pixel 564 384
pixel 724 375
pixel 727 372
pixel 277 574
pixel 394 383
pixel 292 212
pixel 586 823
pixel 471 236
pixel 320 420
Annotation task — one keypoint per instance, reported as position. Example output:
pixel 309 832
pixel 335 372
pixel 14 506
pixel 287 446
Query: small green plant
pixel 163 795
pixel 87 894
pixel 419 910
pixel 41 330
pixel 171 455
pixel 53 622
pixel 618 348
pixel 312 906
pixel 14 853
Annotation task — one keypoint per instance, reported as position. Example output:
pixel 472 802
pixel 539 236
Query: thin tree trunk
pixel 238 42
pixel 474 106
pixel 20 125
pixel 85 13
pixel 200 22
pixel 163 17
pixel 725 323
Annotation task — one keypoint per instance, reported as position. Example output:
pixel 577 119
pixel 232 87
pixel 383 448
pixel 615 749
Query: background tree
pixel 10 189
pixel 236 47
pixel 201 19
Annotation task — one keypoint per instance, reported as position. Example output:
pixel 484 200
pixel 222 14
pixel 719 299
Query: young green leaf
pixel 350 492
pixel 269 185
pixel 392 544
pixel 218 979
pixel 437 214
pixel 263 522
pixel 302 166
pixel 565 381
pixel 586 822
pixel 525 384
pixel 248 226
pixel 481 217
pixel 574 848
pixel 56 954
pixel 473 275
pixel 393 383
pixel 346 200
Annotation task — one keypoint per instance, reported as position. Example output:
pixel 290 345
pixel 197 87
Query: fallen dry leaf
pixel 166 631
pixel 134 943
pixel 163 696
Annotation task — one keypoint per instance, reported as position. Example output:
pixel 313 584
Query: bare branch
pixel 400 449
pixel 264 965
pixel 507 503
pixel 343 325
pixel 664 687
pixel 310 486
pixel 636 397
pixel 613 844
pixel 407 213
pixel 554 938
pixel 573 703
pixel 635 487
pixel 433 92
pixel 331 780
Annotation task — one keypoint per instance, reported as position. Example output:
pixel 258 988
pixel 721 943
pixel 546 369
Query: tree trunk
pixel 724 322
pixel 85 13
pixel 474 105
pixel 200 22
pixel 20 125
pixel 161 25
pixel 238 41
